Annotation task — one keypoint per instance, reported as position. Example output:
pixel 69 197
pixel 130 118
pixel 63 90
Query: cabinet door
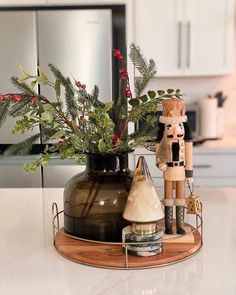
pixel 158 31
pixel 208 35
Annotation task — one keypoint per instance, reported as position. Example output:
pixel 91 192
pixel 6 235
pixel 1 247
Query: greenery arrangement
pixel 78 121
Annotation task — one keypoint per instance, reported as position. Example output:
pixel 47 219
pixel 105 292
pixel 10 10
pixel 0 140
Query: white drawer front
pixel 214 165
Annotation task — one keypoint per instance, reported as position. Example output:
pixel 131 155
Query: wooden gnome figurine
pixel 174 158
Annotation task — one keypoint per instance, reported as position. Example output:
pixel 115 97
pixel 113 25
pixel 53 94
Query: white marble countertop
pixel 29 263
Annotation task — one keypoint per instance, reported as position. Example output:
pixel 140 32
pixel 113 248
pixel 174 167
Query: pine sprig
pixel 95 93
pixel 58 74
pixel 23 87
pixel 138 60
pixel 71 105
pixel 4 111
pixel 21 108
pixel 145 68
pixel 22 147
pixel 47 132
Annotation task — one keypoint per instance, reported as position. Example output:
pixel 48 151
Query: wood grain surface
pixel 113 256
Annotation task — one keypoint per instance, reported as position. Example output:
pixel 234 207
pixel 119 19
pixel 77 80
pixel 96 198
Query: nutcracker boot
pixel 180 219
pixel 168 203
pixel 180 203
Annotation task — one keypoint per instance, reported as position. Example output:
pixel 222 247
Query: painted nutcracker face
pixel 174 131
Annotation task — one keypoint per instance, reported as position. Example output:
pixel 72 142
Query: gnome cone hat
pixel 143 204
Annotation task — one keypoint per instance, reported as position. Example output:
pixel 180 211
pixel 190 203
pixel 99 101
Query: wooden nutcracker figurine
pixel 174 158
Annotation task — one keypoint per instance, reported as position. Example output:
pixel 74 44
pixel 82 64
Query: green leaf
pixel 41 80
pixel 169 91
pixel 33 84
pixel 168 96
pixel 93 115
pixel 108 106
pixel 42 74
pixel 24 72
pixel 58 87
pixel 77 142
pixel 29 167
pixel 160 92
pixel 144 98
pixel 101 146
pixel 178 95
pixel 177 91
pixel 153 120
pixel 152 94
pixel 134 102
pixel 47 107
pixel 20 80
pixel 44 163
pixel 58 134
pixel 47 116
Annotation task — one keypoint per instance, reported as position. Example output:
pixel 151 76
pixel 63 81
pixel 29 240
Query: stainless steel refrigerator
pixel 79 43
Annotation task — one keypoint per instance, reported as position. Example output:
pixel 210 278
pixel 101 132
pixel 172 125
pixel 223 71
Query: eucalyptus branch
pixel 60 113
pixel 144 105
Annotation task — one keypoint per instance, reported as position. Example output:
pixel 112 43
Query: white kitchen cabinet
pixel 212 167
pixel 186 37
pixel 21 2
pixel 12 174
pixel 59 172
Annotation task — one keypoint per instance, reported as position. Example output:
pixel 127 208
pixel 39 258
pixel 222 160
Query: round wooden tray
pixel 114 255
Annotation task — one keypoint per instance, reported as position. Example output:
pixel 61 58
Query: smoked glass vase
pixel 94 200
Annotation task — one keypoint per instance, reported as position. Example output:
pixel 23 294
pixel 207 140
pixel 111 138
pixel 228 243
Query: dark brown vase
pixel 94 200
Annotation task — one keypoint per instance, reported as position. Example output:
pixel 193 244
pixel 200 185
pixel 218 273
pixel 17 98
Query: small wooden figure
pixel 174 158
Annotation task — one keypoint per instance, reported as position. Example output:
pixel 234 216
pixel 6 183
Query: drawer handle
pixel 202 166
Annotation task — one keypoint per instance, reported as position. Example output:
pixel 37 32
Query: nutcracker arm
pixel 162 166
pixel 189 161
pixel 157 154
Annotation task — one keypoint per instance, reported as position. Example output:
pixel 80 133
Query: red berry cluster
pixel 15 97
pixel 60 143
pixel 123 72
pixel 116 139
pixel 79 85
pixel 33 100
pixel 118 54
pixel 127 91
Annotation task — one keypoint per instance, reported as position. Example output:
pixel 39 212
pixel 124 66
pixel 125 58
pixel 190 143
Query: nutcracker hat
pixel 173 111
